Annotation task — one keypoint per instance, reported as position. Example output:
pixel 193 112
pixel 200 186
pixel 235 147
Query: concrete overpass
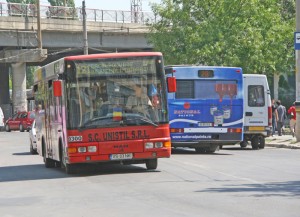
pixel 62 34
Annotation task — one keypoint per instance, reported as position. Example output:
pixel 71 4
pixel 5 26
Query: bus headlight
pixel 158 145
pixel 92 148
pixel 81 149
pixel 149 145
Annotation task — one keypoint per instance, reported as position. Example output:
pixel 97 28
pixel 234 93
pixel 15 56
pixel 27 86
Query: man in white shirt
pixel 140 102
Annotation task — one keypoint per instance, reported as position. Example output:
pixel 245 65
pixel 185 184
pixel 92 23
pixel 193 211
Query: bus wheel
pixel 151 164
pixel 49 163
pixel 254 142
pixel 262 142
pixel 200 150
pixel 243 144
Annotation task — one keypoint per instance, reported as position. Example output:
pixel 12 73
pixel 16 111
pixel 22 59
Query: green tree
pixel 255 35
pixel 29 76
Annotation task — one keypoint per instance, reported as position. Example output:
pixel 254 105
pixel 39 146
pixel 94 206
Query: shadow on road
pixel 22 153
pixel 284 189
pixel 190 151
pixel 236 148
pixel 38 171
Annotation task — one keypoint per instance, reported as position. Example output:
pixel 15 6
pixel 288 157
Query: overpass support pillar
pixel 4 90
pixel 19 86
pixel 18 59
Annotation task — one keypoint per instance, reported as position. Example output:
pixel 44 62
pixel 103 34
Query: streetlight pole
pixel 297 73
pixel 85 39
pixel 39 33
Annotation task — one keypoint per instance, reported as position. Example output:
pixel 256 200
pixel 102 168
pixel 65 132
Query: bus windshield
pixel 115 92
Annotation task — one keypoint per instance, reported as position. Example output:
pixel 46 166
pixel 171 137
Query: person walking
pixel 274 115
pixel 292 114
pixel 281 115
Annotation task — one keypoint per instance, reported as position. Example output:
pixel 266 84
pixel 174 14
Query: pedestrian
pixel 274 115
pixel 292 116
pixel 281 116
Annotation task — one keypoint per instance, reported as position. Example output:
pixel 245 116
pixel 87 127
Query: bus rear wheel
pixel 255 142
pixel 261 142
pixel 243 144
pixel 49 163
pixel 151 164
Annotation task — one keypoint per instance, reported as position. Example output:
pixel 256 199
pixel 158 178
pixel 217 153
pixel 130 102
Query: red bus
pixel 102 108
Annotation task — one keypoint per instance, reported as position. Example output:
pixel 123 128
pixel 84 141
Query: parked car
pixel 32 137
pixel 1 119
pixel 20 121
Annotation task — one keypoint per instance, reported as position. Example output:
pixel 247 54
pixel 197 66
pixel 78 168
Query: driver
pixel 140 102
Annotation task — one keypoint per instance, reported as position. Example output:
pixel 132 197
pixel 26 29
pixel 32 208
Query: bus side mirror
pixel 171 82
pixel 57 89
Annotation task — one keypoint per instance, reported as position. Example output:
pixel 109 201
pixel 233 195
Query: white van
pixel 258 111
pixel 1 120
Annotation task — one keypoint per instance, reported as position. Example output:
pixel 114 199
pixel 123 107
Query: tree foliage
pixel 253 34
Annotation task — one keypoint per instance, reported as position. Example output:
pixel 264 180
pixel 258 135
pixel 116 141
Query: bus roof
pixel 112 55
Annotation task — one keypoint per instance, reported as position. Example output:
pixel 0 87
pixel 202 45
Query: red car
pixel 20 121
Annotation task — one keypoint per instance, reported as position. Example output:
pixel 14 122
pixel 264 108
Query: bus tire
pixel 49 163
pixel 262 142
pixel 255 142
pixel 243 144
pixel 200 150
pixel 151 164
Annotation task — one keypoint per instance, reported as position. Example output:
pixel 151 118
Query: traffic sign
pixel 297 40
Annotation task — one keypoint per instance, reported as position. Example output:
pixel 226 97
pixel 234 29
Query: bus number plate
pixel 121 156
pixel 202 124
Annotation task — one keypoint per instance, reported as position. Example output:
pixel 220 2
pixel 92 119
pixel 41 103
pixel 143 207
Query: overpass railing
pixel 60 12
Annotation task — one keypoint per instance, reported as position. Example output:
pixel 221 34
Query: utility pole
pixel 39 24
pixel 297 74
pixel 85 40
pixel 136 10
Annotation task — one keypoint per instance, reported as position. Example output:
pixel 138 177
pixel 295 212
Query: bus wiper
pixel 140 118
pixel 88 124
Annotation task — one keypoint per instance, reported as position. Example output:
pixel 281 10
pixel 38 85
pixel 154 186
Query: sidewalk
pixel 284 141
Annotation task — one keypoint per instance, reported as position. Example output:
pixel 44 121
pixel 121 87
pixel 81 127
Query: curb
pixel 290 146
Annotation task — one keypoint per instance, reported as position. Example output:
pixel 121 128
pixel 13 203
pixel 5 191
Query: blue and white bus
pixel 206 111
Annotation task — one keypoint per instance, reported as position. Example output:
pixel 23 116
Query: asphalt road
pixel 231 182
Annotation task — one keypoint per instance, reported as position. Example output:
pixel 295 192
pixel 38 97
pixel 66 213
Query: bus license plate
pixel 202 124
pixel 256 128
pixel 121 156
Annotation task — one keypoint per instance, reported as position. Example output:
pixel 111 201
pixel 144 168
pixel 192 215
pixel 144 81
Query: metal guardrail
pixel 60 12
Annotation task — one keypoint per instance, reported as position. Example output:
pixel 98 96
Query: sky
pixel 114 4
